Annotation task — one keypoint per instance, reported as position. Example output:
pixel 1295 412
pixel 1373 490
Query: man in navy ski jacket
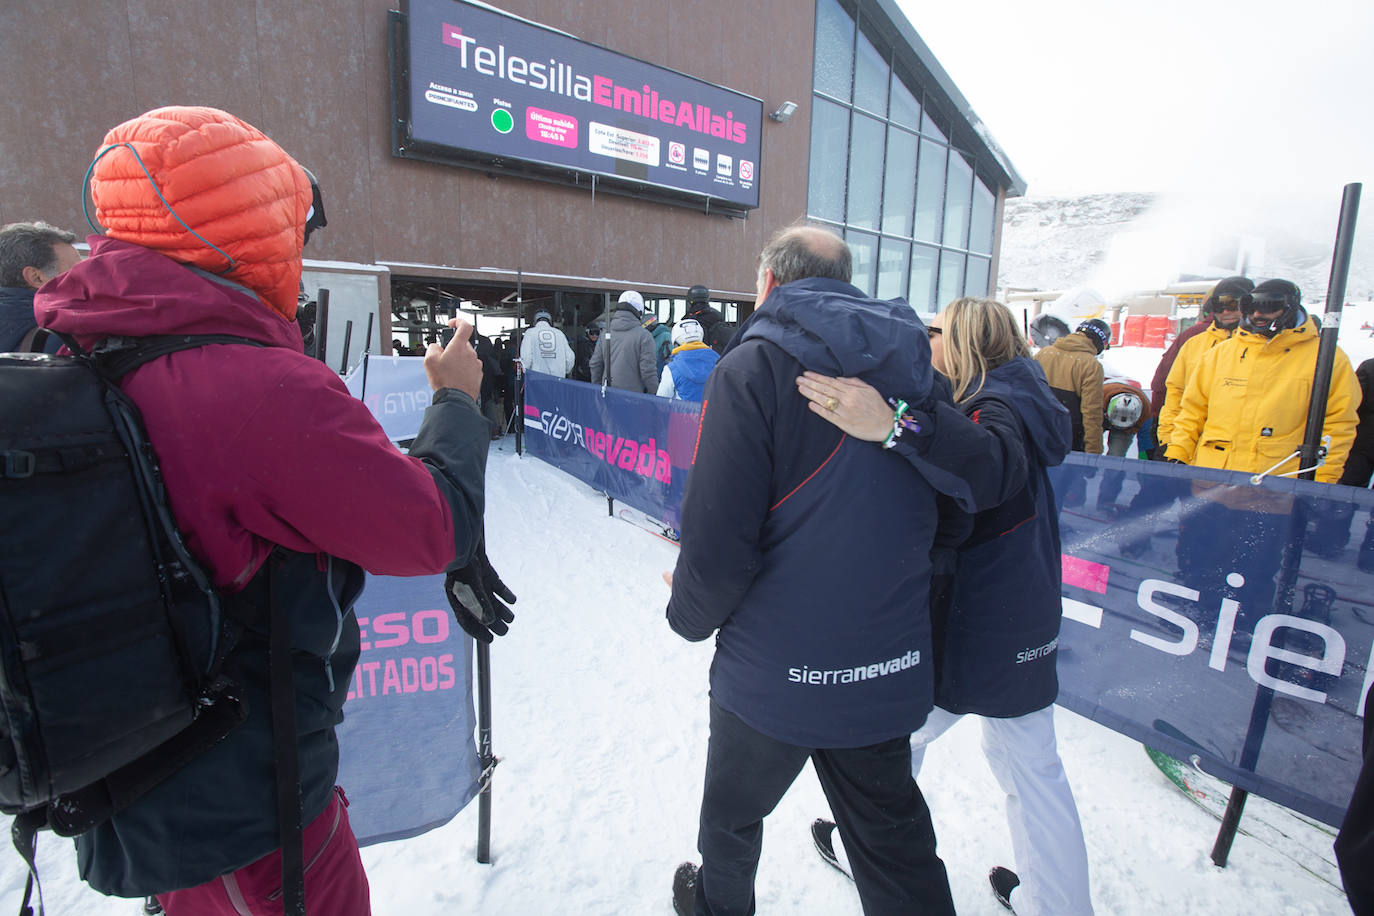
pixel 797 556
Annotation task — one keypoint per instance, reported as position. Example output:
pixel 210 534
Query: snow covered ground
pixel 600 721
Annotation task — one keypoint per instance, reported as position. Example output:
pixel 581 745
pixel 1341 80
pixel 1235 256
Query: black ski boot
pixel 151 907
pixel 1003 881
pixel 685 889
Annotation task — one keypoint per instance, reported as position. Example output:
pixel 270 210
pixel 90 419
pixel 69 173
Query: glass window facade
pixel 917 215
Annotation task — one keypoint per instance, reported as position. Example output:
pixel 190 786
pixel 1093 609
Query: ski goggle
pixel 314 217
pixel 1226 303
pixel 1264 303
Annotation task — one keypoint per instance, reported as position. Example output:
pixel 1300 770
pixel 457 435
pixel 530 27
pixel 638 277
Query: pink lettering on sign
pixel 551 127
pixel 1085 574
pixel 453 35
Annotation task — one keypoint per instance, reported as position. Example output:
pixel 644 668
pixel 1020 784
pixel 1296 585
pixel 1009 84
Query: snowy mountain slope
pixel 600 721
pixel 1123 242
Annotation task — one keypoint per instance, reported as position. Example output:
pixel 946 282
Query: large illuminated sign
pixel 481 86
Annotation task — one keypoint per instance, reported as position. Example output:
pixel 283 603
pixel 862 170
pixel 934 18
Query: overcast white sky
pixel 1168 95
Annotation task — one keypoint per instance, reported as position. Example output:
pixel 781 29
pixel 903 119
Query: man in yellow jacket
pixel 1245 407
pixel 1222 307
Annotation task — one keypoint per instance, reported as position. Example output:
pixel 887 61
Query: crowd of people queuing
pixel 838 642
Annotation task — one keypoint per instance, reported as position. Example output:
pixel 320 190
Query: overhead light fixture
pixel 783 112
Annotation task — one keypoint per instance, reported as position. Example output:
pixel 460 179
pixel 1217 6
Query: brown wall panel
pixel 62 83
pixel 196 54
pixel 314 76
pixel 315 69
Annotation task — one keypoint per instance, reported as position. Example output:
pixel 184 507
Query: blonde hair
pixel 978 336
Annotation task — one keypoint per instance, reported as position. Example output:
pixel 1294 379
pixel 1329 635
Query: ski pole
pixel 484 756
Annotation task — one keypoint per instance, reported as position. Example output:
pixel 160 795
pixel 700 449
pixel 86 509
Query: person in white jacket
pixel 545 348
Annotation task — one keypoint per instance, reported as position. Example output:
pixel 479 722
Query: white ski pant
pixel 1046 836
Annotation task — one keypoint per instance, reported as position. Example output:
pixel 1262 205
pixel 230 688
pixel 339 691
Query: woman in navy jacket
pixel 996 616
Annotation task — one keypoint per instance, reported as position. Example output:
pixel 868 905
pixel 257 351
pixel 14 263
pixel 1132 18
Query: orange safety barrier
pixel 1157 327
pixel 1133 335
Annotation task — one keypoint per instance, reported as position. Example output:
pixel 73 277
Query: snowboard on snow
pixel 1307 842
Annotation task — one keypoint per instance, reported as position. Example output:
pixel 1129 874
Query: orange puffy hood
pixel 239 191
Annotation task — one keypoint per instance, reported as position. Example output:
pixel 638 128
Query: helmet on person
pixel 698 299
pixel 688 330
pixel 594 329
pixel 1123 410
pixel 1227 294
pixel 1045 329
pixel 1098 331
pixel 633 299
pixel 543 315
pixel 1269 296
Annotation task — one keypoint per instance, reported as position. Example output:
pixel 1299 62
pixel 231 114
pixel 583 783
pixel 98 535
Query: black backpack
pixel 112 637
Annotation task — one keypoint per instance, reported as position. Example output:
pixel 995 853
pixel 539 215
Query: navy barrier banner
pixel 634 447
pixel 1206 615
pixel 397 392
pixel 407 755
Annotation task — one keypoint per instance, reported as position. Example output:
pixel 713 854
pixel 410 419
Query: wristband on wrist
pixel 899 422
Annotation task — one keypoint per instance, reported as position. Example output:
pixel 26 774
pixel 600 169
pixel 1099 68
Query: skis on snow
pixel 648 523
pixel 823 835
pixel 1305 841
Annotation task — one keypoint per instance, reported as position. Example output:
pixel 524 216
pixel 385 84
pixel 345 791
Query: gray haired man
pixel 31 254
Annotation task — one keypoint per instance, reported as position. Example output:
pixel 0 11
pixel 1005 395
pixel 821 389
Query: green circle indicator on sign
pixel 502 121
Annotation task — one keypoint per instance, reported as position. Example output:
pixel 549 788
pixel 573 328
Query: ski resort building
pixel 541 154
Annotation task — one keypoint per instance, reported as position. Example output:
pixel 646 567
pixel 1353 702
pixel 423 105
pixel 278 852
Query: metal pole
pixel 348 339
pixel 519 418
pixel 1316 419
pixel 484 755
pixel 322 326
pixel 367 350
pixel 1331 325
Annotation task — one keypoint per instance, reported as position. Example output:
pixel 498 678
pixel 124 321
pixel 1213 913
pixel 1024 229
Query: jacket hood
pixel 624 320
pixel 832 328
pixel 1021 383
pixel 125 290
pixel 209 190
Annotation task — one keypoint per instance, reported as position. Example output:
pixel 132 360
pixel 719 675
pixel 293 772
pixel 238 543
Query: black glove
pixel 1174 461
pixel 472 592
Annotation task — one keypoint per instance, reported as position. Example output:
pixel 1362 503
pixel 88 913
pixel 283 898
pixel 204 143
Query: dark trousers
pixel 882 817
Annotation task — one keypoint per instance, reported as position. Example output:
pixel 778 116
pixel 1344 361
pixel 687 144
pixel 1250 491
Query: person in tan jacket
pixel 1075 377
